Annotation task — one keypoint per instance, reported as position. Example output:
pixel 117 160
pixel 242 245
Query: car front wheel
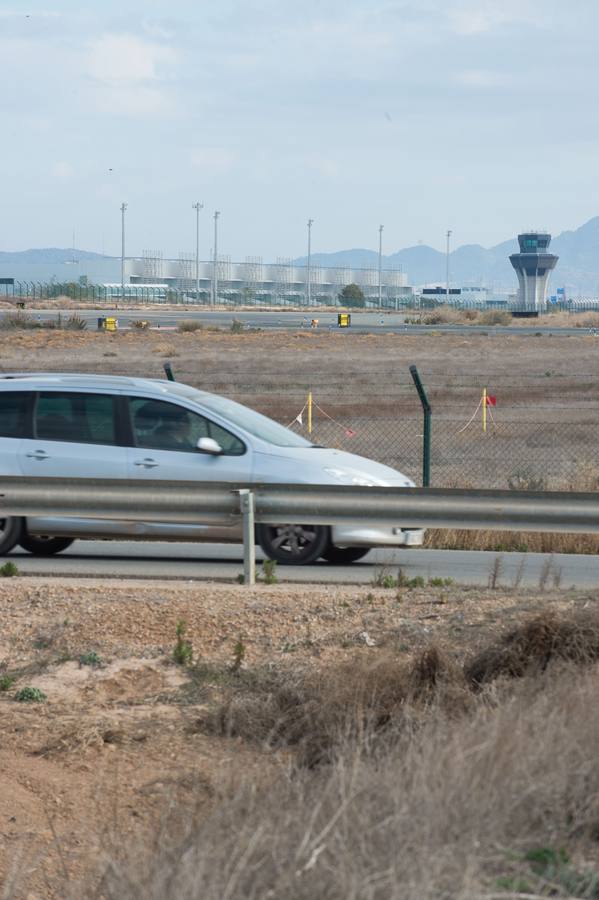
pixel 11 530
pixel 42 545
pixel 341 556
pixel 293 545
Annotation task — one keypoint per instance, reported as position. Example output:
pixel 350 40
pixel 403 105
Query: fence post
pixel 246 501
pixel 426 441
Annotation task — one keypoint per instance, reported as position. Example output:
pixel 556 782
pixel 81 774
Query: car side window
pixel 13 413
pixel 74 417
pixel 159 425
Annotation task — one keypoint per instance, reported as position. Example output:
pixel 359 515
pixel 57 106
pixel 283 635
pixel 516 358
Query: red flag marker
pixel 491 401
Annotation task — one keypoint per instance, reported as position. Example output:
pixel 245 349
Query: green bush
pixel 8 570
pixel 30 695
pixel 183 651
pixel 6 682
pixel 90 658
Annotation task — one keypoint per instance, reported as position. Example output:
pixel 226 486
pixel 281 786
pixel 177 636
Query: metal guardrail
pixel 231 503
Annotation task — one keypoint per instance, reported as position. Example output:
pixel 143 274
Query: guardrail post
pixel 426 441
pixel 246 501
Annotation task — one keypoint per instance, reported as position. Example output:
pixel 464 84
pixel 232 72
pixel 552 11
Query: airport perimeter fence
pixel 513 454
pixel 417 305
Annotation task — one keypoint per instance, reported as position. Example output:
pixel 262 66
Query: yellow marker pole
pixel 484 409
pixel 310 412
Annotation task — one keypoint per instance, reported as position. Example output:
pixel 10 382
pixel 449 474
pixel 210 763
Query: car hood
pixel 308 465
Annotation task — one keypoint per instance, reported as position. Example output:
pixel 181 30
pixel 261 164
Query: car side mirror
pixel 209 445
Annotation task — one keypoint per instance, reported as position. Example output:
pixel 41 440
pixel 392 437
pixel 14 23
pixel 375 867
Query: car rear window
pixel 79 418
pixel 13 413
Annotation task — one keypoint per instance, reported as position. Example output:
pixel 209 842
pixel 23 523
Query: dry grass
pixel 534 645
pixel 380 779
pixel 585 478
pixel 190 325
pixel 511 541
pixel 465 808
pixel 316 711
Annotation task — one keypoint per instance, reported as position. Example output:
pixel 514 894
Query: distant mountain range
pixel 471 264
pixel 47 255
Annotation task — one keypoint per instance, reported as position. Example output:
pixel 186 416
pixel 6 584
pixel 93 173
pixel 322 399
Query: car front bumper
pixel 364 536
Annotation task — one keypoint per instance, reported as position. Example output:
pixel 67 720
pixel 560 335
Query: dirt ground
pixel 364 374
pixel 116 743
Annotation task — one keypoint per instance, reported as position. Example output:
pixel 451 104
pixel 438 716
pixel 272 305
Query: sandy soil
pixel 115 745
pixel 361 374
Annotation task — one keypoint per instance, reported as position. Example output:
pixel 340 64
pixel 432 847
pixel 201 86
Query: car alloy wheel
pixel 293 545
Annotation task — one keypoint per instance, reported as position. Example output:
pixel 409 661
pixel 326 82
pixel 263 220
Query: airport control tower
pixel 533 265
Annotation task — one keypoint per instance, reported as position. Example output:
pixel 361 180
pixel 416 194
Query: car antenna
pixel 168 369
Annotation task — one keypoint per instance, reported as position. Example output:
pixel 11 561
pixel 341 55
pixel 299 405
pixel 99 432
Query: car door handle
pixel 38 454
pixel 147 463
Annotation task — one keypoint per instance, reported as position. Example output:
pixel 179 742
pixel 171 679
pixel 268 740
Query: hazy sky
pixel 475 115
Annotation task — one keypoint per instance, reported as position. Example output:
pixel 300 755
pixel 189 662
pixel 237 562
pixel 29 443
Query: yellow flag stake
pixel 310 412
pixel 484 409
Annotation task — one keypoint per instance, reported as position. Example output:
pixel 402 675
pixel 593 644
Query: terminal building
pixel 281 283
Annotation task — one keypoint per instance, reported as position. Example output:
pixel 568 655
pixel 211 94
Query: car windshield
pixel 253 422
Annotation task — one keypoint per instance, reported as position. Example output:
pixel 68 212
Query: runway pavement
pixel 362 323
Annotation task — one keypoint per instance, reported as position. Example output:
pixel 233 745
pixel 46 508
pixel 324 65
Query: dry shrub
pixel 189 325
pixel 444 315
pixel 495 317
pixel 18 320
pixel 444 812
pixel 584 320
pixel 315 712
pixel 510 541
pixel 533 645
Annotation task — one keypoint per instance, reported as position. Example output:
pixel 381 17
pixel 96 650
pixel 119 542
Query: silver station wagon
pixel 96 426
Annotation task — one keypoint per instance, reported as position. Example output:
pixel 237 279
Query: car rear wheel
pixel 44 545
pixel 11 530
pixel 293 545
pixel 343 555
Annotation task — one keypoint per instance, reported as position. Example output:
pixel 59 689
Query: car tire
pixel 293 545
pixel 11 530
pixel 342 556
pixel 40 545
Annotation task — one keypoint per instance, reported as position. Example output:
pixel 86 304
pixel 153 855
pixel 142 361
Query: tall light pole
pixel 308 273
pixel 215 262
pixel 197 206
pixel 123 208
pixel 381 265
pixel 447 269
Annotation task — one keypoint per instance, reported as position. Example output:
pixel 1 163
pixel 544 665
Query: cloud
pixel 116 59
pixel 129 75
pixel 480 78
pixel 62 170
pixel 213 160
pixel 472 17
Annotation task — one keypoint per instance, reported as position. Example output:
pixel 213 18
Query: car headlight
pixel 345 477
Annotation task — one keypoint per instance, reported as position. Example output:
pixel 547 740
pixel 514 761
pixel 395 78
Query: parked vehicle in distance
pixel 97 426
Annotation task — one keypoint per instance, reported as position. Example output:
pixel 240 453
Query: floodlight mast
pixel 197 206
pixel 308 271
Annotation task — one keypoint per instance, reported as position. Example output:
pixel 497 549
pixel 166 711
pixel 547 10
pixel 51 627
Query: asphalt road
pixel 362 323
pixel 133 559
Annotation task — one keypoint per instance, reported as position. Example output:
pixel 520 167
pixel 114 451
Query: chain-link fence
pixel 512 454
